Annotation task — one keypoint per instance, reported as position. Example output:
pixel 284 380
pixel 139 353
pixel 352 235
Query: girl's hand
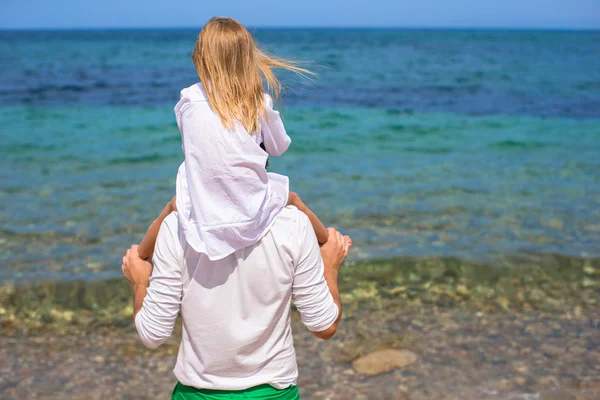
pixel 136 270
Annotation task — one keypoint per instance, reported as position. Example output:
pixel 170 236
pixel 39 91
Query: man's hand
pixel 136 270
pixel 335 250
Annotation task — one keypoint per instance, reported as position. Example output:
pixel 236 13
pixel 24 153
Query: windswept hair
pixel 233 69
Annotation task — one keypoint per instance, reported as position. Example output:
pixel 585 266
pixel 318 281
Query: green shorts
pixel 266 392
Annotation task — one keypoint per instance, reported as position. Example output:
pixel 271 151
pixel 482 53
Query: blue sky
pixel 569 14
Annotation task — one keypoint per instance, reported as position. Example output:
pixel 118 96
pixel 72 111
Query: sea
pixel 482 145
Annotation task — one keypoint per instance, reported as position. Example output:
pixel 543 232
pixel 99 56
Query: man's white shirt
pixel 236 311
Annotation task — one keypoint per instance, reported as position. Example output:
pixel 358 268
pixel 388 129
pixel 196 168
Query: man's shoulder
pixel 290 220
pixel 289 232
pixel 169 241
pixel 171 220
pixel 171 223
pixel 290 216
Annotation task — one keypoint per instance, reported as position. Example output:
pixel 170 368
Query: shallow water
pixel 480 145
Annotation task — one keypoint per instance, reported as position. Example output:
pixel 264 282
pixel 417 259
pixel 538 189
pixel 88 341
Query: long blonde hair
pixel 232 69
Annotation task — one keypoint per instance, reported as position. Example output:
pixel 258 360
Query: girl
pixel 226 200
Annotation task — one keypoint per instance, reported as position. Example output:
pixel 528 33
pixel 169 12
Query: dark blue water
pixel 475 144
pixel 469 72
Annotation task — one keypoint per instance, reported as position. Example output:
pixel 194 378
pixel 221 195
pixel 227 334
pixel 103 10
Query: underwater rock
pixel 462 290
pixel 383 361
pixel 558 394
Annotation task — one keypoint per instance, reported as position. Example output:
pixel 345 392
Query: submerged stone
pixel 462 290
pixel 383 361
pixel 587 282
pixel 558 394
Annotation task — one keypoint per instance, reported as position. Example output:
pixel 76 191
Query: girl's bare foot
pixel 348 240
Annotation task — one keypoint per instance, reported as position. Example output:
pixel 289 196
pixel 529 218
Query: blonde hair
pixel 232 69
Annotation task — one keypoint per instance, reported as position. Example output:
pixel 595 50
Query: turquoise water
pixel 476 144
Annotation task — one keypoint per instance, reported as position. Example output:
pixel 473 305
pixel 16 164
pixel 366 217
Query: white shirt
pixel 226 199
pixel 236 311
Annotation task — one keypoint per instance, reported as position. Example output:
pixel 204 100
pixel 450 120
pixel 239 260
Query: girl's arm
pixel 146 247
pixel 319 228
pixel 275 138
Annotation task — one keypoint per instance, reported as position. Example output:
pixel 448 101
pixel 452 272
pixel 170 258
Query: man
pixel 237 338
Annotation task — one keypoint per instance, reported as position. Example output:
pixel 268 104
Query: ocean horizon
pixel 315 27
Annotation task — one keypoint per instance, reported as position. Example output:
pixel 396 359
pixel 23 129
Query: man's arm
pixel 157 298
pixel 315 286
pixel 333 255
pixel 139 294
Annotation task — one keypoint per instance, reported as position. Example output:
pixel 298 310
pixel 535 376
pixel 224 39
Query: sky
pixel 58 14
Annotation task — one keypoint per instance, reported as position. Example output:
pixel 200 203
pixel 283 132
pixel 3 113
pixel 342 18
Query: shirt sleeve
pixel 275 138
pixel 311 294
pixel 156 320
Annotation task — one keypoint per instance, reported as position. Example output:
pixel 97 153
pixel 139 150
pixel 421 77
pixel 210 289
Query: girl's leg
pixel 147 244
pixel 317 225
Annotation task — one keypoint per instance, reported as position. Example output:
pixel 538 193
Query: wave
pixel 171 139
pixel 22 147
pixel 428 150
pixel 412 128
pixel 149 128
pixel 516 144
pixel 340 116
pixel 11 234
pixel 141 159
